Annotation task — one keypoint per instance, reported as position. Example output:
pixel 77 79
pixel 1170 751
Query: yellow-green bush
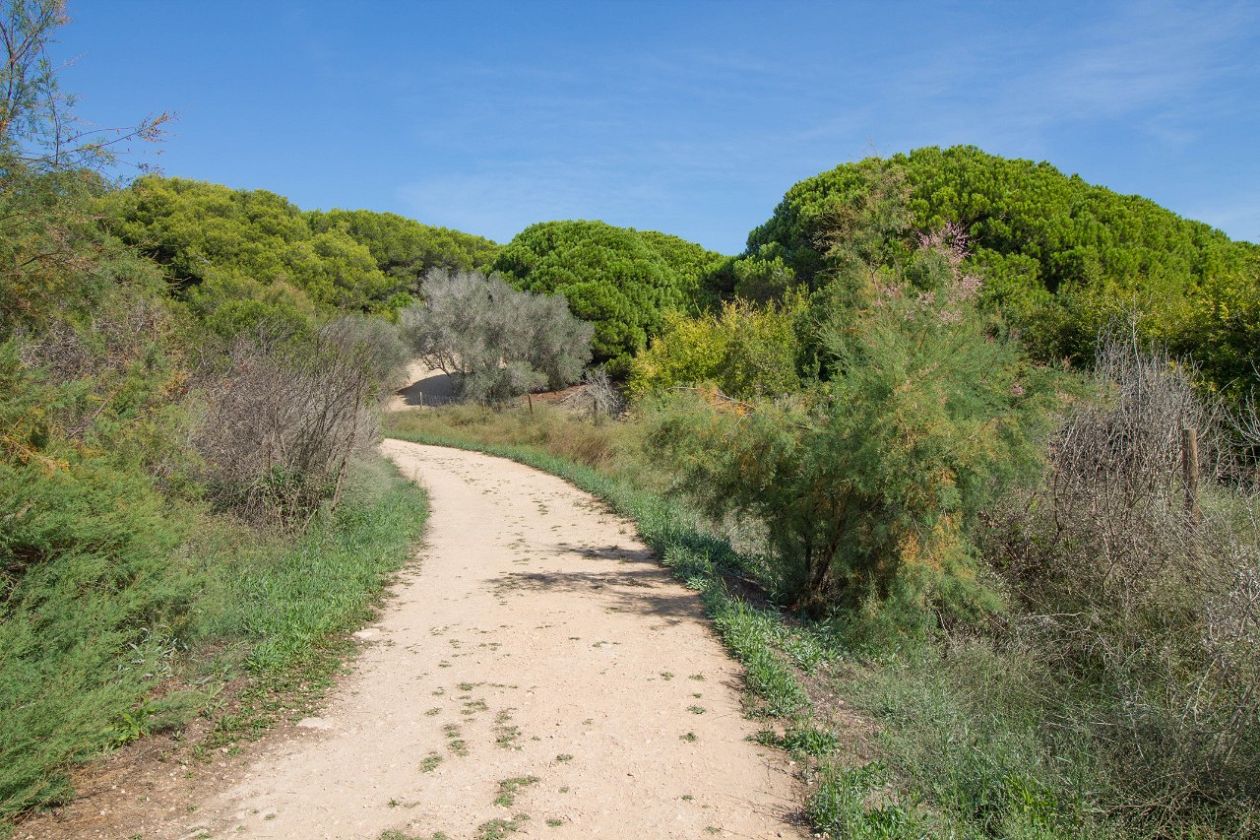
pixel 745 350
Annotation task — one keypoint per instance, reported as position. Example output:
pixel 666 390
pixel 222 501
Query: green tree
pixel 219 244
pixel 405 249
pixel 1060 257
pixel 500 342
pixel 867 482
pixel 620 279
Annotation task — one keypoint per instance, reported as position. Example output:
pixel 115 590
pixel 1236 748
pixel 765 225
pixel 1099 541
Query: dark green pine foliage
pixel 406 249
pixel 239 255
pixel 621 279
pixel 1060 257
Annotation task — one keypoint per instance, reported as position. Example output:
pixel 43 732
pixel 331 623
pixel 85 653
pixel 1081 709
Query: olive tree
pixel 498 342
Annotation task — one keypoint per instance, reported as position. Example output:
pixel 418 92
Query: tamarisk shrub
pixel 866 482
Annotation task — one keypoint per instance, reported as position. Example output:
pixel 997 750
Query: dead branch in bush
pixel 1137 566
pixel 285 419
pixel 598 394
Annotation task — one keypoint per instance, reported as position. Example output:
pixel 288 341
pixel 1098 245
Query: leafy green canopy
pixel 621 279
pixel 1060 257
pixel 219 244
pixel 406 249
pixel 240 255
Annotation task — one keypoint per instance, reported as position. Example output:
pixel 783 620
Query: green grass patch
pixel 508 788
pixel 498 828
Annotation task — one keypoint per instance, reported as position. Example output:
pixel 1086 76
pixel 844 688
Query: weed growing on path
pixel 505 734
pixel 497 829
pixel 508 789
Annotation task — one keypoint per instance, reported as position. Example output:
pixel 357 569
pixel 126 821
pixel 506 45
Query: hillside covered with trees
pixel 1060 258
pixel 251 249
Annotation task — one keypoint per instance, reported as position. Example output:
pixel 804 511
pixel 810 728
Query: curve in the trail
pixel 537 672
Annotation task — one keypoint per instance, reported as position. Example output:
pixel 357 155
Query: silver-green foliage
pixel 498 341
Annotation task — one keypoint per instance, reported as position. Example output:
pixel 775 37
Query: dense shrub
pixel 867 482
pixel 92 462
pixel 745 351
pixel 498 342
pixel 620 279
pixel 1132 590
pixel 57 262
pixel 285 419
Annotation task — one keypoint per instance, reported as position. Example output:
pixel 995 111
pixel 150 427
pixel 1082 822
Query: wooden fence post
pixel 1190 470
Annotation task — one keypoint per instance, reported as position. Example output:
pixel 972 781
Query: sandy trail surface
pixel 536 670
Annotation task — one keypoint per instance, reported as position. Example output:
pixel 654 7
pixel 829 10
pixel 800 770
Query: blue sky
pixel 687 117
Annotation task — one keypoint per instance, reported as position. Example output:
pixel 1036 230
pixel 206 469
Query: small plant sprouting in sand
pixel 454 742
pixel 497 829
pixel 508 789
pixel 506 734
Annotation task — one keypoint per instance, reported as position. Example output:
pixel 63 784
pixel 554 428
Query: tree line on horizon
pixel 1060 258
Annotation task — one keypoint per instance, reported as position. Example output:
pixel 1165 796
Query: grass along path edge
pixel 774 654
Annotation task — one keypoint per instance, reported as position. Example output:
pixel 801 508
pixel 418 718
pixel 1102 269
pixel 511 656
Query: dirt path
pixel 536 671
